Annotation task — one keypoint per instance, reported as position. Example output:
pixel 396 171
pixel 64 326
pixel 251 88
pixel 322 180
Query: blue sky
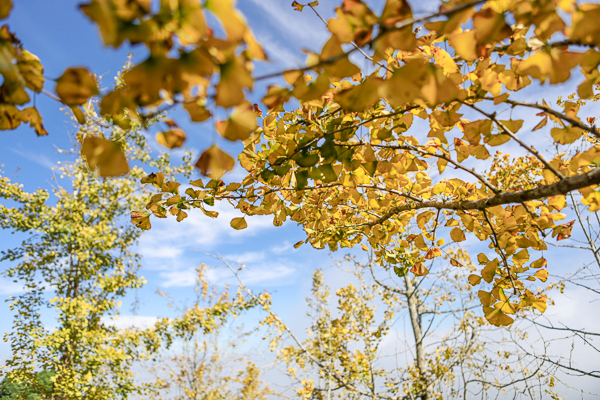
pixel 62 37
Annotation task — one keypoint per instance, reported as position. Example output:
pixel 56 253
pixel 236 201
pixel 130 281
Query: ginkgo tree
pixel 366 156
pixel 367 152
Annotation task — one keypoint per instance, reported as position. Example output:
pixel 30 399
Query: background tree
pixel 205 364
pixel 12 391
pixel 75 266
pixel 355 347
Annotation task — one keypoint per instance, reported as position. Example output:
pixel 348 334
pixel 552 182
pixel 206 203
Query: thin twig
pixel 497 246
pixel 361 51
pixel 507 131
pixel 400 25
pixel 557 114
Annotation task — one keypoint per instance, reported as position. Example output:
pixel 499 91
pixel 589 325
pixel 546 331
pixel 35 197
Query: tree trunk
pixel 415 320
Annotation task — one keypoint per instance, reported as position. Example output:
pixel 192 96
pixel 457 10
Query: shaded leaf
pixel 454 262
pixel 105 155
pixel 32 116
pixel 489 271
pixel 75 86
pixel 297 6
pixel 141 220
pixel 78 114
pixel 474 279
pixel 198 113
pixel 5 7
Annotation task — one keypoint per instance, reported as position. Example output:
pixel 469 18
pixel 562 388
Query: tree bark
pixel 412 300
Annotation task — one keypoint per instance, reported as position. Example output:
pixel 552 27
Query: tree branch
pixel 561 187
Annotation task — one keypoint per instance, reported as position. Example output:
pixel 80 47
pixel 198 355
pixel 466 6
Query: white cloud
pixel 131 321
pixel 9 288
pixel 161 251
pixel 283 248
pixel 179 278
pixel 199 232
pixel 268 274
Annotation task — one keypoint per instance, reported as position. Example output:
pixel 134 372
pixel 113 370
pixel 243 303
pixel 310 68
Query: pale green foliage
pixel 205 366
pixel 78 262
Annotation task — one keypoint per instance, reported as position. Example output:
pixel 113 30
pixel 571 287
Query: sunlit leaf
pixel 457 235
pixel 240 124
pixel 419 269
pixel 542 275
pixel 486 298
pixel 171 139
pixel 214 162
pixel 497 317
pixel 554 65
pixel 239 223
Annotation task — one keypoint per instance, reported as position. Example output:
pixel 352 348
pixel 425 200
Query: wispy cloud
pixel 178 278
pixel 278 51
pixel 161 251
pixel 303 29
pixel 40 159
pixel 265 274
pixel 268 275
pixel 247 257
pixel 285 247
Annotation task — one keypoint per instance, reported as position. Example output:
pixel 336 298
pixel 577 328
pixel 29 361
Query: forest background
pixel 171 250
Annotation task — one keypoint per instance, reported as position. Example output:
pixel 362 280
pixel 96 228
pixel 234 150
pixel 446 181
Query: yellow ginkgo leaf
pixel 457 235
pixel 497 317
pixel 141 220
pixel 105 155
pixel 474 279
pixel 240 124
pixel 542 275
pixel 75 86
pixel 239 223
pixel 171 139
pixel 214 162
